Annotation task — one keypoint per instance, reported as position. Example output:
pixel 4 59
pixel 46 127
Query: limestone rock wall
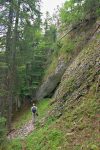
pixel 50 84
pixel 73 77
pixel 79 76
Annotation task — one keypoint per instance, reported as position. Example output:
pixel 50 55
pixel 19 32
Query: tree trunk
pixel 11 48
pixel 14 51
pixel 9 69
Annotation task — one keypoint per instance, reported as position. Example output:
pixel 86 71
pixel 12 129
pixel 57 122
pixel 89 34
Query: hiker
pixel 34 112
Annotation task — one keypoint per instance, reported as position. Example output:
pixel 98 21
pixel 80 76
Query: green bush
pixel 2 132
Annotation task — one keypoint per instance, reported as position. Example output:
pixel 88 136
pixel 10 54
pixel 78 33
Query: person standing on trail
pixel 34 112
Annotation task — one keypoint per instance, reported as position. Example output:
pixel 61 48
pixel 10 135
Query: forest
pixel 55 63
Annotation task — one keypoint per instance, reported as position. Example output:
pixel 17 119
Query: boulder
pixel 52 81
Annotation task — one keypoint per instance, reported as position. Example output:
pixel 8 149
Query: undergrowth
pixel 77 129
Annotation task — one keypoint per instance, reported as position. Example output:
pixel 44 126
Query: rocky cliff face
pixel 53 80
pixel 74 78
pixel 79 76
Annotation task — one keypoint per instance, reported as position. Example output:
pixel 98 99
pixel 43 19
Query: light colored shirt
pixel 32 108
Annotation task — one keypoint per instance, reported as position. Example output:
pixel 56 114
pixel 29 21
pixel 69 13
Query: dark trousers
pixel 33 117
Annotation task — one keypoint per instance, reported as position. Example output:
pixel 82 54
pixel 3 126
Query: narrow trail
pixel 22 132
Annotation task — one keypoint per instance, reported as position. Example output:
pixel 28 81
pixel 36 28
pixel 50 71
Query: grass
pixel 77 129
pixel 26 115
pixel 80 123
pixel 51 67
pixel 22 118
pixel 44 139
pixel 15 144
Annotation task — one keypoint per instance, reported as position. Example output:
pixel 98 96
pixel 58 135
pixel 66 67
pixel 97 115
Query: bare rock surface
pixel 50 84
pixel 79 76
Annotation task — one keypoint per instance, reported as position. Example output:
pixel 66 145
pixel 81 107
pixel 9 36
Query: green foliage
pixel 91 6
pixel 3 139
pixel 15 145
pixel 24 117
pixel 43 137
pixel 35 50
pixel 92 146
pixel 50 35
pixel 71 13
pixel 30 48
pixel 76 129
pixel 63 50
pixel 68 46
pixel 75 11
pixel 51 140
pixel 51 67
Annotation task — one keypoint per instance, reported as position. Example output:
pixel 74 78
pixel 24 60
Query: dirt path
pixel 22 132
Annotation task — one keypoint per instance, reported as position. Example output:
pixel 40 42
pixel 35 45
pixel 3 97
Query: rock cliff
pixel 79 76
pixel 52 81
pixel 73 77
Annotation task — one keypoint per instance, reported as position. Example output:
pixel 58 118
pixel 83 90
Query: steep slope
pixel 79 76
pixel 72 45
pixel 76 129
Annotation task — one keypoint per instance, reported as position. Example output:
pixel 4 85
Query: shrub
pixel 2 132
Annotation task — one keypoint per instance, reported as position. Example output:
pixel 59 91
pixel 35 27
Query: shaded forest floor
pixel 22 124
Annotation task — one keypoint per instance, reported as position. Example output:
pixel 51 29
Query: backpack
pixel 34 109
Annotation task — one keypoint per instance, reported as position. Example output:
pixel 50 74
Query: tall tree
pixel 18 13
pixel 9 65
